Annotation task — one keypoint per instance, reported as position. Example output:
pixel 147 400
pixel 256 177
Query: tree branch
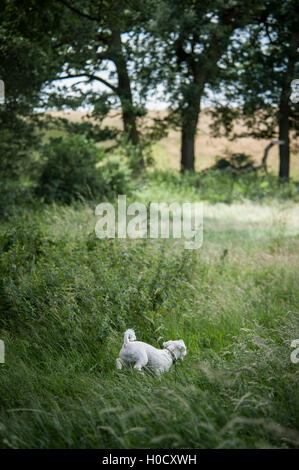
pixel 266 151
pixel 263 164
pixel 91 77
pixel 78 12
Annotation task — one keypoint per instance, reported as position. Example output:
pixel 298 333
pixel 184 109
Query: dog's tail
pixel 129 336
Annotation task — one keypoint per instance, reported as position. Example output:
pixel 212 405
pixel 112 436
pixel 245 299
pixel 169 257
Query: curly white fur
pixel 143 354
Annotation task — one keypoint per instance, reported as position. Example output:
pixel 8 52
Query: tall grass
pixel 67 298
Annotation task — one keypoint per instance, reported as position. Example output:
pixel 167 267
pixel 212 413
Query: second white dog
pixel 143 354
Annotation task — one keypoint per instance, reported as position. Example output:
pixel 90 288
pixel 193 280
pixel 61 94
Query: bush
pixel 14 195
pixel 69 171
pixel 236 160
pixel 138 156
pixel 117 175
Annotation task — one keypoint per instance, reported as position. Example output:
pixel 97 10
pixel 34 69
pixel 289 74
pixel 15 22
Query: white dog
pixel 143 354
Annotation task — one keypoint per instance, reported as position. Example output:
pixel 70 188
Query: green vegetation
pixel 238 60
pixel 67 298
pixel 75 131
pixel 70 170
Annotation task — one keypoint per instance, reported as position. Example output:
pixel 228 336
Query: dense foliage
pixel 69 171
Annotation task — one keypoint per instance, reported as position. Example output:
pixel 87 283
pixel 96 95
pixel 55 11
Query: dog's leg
pixel 119 363
pixel 142 361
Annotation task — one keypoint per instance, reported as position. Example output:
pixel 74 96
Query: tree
pixel 188 40
pixel 90 37
pixel 27 61
pixel 259 73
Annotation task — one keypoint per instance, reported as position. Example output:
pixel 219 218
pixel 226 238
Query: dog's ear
pixel 182 346
pixel 169 345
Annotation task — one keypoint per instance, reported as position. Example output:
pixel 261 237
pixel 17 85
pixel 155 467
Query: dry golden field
pixel 166 152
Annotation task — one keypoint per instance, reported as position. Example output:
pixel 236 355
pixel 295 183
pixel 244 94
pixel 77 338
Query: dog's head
pixel 177 348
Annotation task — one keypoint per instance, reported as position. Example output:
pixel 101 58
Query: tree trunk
pixel 189 126
pixel 284 109
pixel 187 150
pixel 124 88
pixel 284 149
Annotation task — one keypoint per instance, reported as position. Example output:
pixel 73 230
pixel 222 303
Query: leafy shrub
pixel 138 156
pixel 14 195
pixel 236 160
pixel 69 171
pixel 117 175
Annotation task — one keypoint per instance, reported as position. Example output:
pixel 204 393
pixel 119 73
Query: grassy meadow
pixel 67 298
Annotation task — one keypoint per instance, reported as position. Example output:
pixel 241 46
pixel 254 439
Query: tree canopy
pixel 247 52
